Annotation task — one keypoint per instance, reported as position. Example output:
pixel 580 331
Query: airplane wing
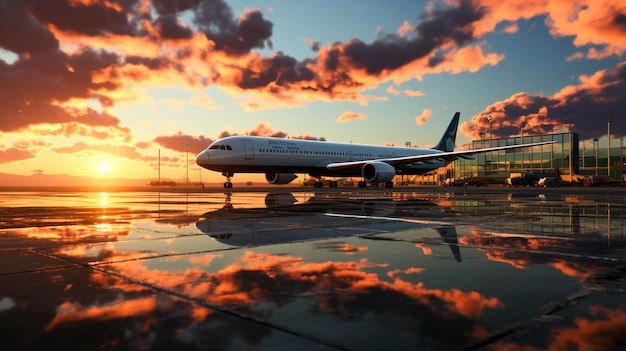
pixel 430 157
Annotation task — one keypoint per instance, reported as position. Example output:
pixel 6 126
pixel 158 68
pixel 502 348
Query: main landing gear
pixel 228 184
pixel 320 184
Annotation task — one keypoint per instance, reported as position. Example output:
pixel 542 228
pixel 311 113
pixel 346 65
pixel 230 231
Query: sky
pixel 102 88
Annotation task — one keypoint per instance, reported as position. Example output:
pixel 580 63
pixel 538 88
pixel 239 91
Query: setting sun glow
pixel 104 167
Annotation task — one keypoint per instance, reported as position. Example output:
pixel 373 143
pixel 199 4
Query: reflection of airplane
pixel 280 159
pixel 349 219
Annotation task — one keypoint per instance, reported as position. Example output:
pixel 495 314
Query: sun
pixel 104 167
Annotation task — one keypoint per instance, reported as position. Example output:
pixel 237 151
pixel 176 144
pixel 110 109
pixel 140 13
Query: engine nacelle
pixel 280 178
pixel 378 172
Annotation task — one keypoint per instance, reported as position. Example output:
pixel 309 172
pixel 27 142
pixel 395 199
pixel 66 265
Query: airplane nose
pixel 202 159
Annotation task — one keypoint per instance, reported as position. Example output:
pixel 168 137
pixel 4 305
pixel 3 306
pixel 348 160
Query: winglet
pixel 448 139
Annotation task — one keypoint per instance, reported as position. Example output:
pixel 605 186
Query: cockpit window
pixel 220 147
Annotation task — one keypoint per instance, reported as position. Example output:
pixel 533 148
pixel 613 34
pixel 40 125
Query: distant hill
pixel 65 180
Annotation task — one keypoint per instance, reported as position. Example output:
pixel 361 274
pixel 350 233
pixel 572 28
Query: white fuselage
pixel 249 154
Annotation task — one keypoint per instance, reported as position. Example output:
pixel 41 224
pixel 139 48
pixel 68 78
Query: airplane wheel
pixel 388 184
pixel 332 185
pixel 317 184
pixel 361 184
pixel 228 185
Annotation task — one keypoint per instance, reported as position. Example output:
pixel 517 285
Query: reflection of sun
pixel 104 167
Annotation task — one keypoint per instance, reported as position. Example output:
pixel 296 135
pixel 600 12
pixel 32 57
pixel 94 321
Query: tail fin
pixel 449 137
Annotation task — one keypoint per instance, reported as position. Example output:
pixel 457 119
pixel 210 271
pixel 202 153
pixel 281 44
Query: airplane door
pixel 249 149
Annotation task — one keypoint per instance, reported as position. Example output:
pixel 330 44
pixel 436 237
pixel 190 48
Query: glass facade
pixel 561 156
pixel 594 158
pixel 568 156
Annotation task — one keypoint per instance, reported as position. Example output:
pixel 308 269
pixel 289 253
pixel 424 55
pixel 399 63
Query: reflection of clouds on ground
pixel 255 278
pixel 150 276
pixel 564 254
pixel 251 283
pixel 596 328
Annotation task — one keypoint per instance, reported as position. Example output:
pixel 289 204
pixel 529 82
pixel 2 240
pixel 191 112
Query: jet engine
pixel 280 178
pixel 378 172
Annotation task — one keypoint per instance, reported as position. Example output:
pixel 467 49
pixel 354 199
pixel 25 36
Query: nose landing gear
pixel 228 184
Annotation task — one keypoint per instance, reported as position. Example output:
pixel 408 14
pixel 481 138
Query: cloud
pixel 421 119
pixel 350 116
pixel 14 154
pixel 234 37
pixel 407 92
pixel 73 52
pixel 206 102
pixel 596 26
pixel 583 108
pixel 178 141
pixel 115 46
pixel 265 129
pixel 170 27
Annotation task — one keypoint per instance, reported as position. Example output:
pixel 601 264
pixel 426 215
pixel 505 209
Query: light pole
pixel 595 145
pixel 489 119
pixel 159 166
pixel 608 147
pixel 621 160
pixel 187 161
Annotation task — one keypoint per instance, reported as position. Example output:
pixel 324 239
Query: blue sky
pixel 96 82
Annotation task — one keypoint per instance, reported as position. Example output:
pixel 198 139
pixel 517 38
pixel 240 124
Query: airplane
pixel 280 159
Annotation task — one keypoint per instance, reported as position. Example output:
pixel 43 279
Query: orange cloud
pixel 421 119
pixel 350 116
pixel 147 44
pixel 590 23
pixel 14 154
pixel 601 94
pixel 69 312
pixel 407 92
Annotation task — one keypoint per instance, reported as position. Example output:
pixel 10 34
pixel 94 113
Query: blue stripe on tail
pixel 449 137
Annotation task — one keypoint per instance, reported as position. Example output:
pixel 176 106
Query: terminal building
pixel 568 157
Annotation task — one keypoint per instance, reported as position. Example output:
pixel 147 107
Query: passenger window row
pixel 306 152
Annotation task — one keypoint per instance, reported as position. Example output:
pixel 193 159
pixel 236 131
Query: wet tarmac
pixel 294 269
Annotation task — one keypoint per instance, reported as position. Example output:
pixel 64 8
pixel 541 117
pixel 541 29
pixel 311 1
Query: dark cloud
pixel 393 51
pixel 234 37
pixel 314 45
pixel 96 18
pixel 22 34
pixel 31 89
pixel 154 63
pixel 168 7
pixel 341 70
pixel 169 27
pixel 279 69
